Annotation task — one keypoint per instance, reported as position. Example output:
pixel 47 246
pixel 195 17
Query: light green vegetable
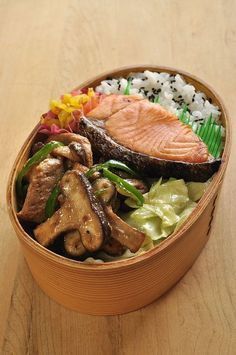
pixel 166 206
pixel 196 189
pixel 127 89
pixel 209 131
pixel 185 213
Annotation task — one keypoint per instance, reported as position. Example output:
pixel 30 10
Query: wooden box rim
pixel 171 240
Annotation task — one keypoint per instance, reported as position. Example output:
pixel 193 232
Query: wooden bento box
pixel 122 286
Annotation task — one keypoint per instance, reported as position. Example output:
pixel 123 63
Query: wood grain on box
pixel 41 59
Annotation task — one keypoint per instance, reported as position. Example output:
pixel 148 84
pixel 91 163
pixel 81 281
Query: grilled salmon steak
pixel 148 128
pixel 148 137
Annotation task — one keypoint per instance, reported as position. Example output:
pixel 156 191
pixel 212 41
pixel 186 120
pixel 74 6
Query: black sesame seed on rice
pixel 151 97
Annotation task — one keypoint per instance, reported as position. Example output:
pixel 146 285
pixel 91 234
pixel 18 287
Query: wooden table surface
pixel 47 48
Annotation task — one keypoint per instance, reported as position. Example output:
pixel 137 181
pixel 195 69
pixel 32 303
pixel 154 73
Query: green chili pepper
pixel 183 113
pixel 35 159
pixel 111 164
pixel 52 202
pixel 133 192
pixel 121 166
pixel 127 89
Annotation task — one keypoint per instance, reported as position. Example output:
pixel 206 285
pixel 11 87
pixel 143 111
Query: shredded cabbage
pixel 167 205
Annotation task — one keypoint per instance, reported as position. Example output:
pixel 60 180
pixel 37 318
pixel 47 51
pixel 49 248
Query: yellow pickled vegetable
pixel 63 108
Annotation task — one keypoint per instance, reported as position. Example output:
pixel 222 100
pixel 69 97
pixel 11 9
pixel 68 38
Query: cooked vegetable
pixel 62 112
pixel 113 247
pixel 81 152
pixel 123 185
pixel 112 164
pixel 73 244
pixel 196 190
pixel 166 207
pixel 182 116
pixel 138 184
pixel 209 131
pixel 127 89
pixel 123 232
pixel 35 159
pixel 52 202
pixel 104 190
pixel 131 190
pixel 80 168
pixel 66 152
pixel 81 211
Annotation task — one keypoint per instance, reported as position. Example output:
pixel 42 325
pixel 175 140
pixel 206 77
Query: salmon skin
pixel 151 166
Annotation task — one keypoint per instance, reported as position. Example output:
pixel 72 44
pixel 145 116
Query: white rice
pixel 172 91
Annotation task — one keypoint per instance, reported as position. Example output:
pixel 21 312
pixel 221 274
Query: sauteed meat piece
pixel 81 211
pixel 42 179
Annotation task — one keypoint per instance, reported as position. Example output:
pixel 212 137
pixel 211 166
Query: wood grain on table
pixel 47 48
